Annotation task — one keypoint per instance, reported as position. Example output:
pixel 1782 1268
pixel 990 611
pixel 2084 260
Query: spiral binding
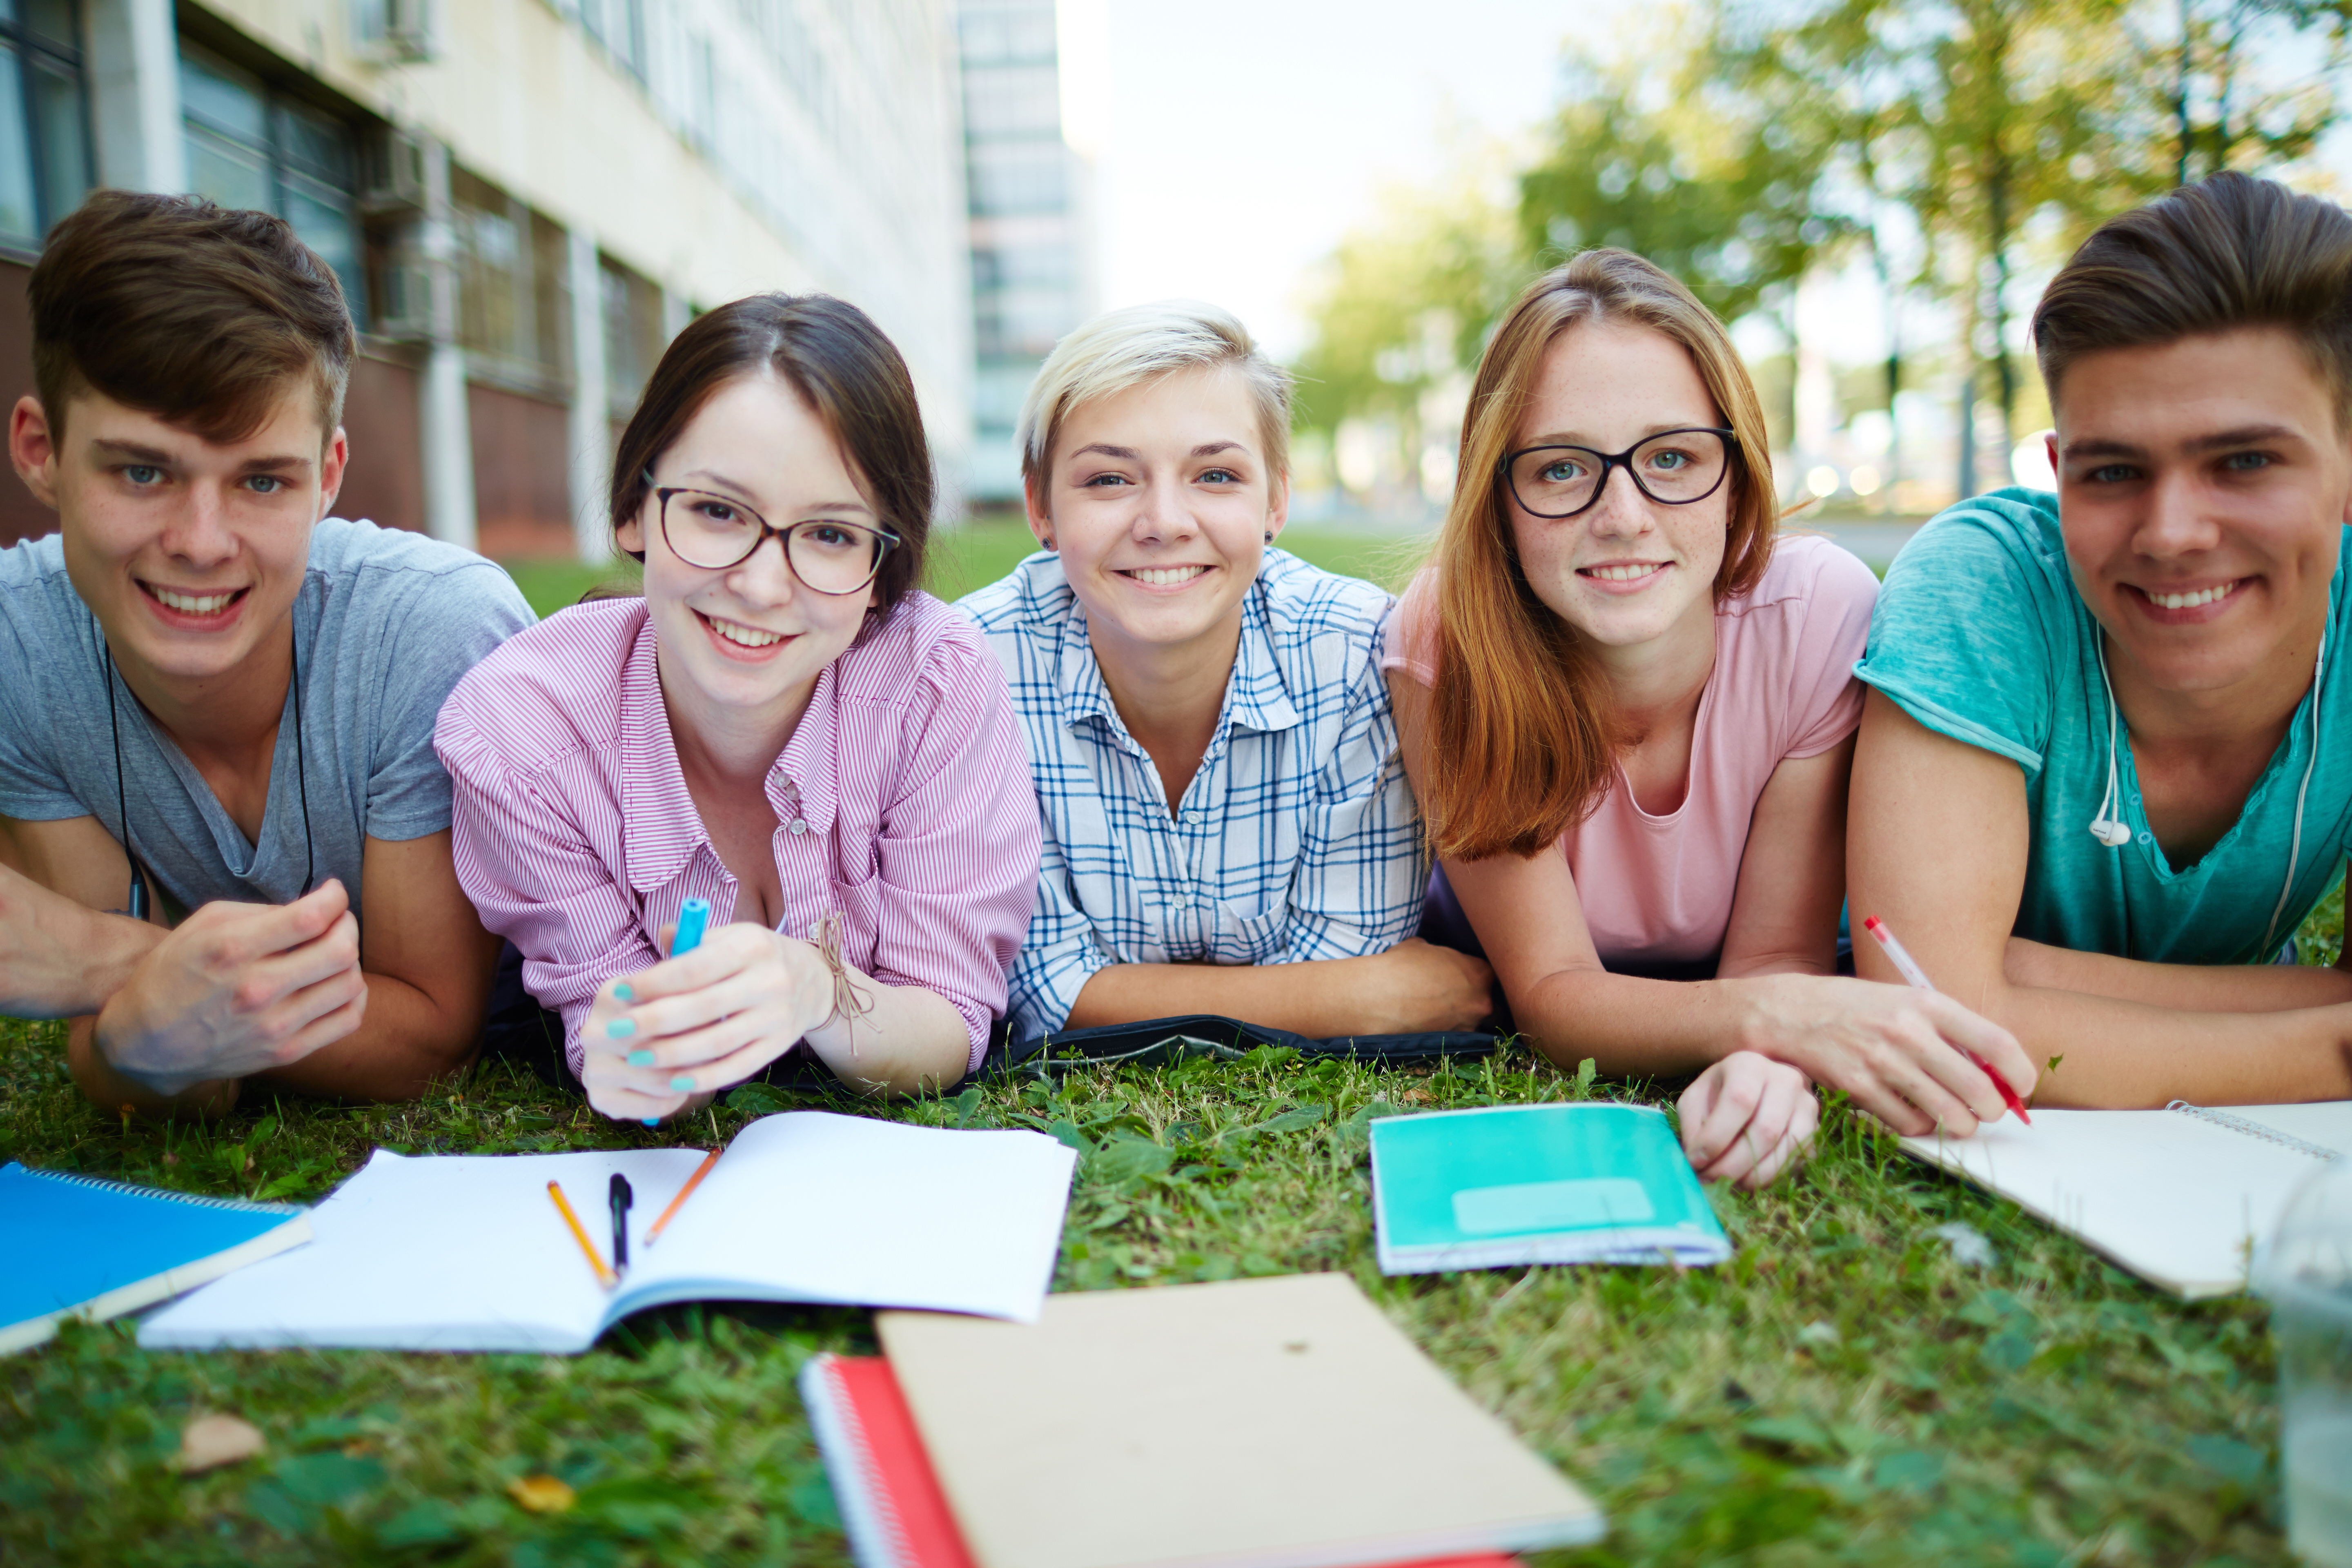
pixel 195 1200
pixel 2255 1130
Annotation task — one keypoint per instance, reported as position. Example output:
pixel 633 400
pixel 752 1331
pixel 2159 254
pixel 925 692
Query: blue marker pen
pixel 693 920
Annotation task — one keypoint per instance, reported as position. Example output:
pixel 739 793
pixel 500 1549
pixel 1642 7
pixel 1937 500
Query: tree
pixel 1405 302
pixel 2228 108
pixel 1709 172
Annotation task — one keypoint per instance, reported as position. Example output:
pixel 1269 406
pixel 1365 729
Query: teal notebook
pixel 79 1247
pixel 1536 1183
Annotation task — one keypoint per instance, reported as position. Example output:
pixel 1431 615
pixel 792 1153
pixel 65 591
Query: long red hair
pixel 1521 741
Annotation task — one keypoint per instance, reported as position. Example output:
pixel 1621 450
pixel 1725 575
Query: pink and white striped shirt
pixel 902 800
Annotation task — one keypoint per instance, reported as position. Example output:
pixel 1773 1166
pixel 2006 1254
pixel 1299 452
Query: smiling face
pixel 1160 500
pixel 2202 487
pixel 189 552
pixel 747 642
pixel 1628 571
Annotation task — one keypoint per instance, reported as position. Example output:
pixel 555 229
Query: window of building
pixel 44 123
pixel 513 308
pixel 1027 176
pixel 633 339
pixel 251 147
pixel 620 26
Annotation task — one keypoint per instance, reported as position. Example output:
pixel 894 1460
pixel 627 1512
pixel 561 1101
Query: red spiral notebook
pixel 891 1505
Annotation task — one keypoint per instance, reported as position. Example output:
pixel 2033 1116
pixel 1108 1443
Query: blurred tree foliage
pixel 1742 143
pixel 1406 300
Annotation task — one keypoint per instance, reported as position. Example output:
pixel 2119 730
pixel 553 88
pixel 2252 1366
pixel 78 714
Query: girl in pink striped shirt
pixel 783 726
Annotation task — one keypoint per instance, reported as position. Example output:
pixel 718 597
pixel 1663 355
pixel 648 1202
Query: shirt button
pixel 796 827
pixel 2147 839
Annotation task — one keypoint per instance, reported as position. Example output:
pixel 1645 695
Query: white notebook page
pixel 2175 1197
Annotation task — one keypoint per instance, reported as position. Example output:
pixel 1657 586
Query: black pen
pixel 622 1200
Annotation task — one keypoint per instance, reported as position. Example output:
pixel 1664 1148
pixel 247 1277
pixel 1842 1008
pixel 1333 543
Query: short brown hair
pixel 832 354
pixel 2229 251
pixel 195 313
pixel 1522 740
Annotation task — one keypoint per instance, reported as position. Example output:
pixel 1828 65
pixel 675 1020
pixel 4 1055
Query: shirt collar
pixel 660 828
pixel 1257 695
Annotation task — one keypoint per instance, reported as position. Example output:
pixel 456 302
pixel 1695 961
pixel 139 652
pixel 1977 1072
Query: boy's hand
pixel 238 989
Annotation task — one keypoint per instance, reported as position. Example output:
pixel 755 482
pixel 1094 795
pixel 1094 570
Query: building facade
pixel 525 200
pixel 1032 255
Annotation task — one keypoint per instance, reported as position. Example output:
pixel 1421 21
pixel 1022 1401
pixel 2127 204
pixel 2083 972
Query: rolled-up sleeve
pixel 957 858
pixel 536 878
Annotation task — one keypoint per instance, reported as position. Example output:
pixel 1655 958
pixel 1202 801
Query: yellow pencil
pixel 692 1182
pixel 604 1275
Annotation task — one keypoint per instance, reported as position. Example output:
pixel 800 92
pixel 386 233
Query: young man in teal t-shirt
pixel 2106 768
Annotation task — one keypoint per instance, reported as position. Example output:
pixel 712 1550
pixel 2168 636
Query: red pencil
pixel 1910 970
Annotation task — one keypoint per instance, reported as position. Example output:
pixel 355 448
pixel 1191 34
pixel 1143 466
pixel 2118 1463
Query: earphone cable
pixel 135 905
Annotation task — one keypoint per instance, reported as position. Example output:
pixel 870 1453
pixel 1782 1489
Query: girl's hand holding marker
pixel 718 1009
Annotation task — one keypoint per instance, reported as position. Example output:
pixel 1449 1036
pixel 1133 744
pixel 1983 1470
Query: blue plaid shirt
pixel 1298 839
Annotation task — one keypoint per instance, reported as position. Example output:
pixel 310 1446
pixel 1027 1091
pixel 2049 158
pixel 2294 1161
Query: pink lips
pixel 184 620
pixel 2187 614
pixel 1657 569
pixel 737 651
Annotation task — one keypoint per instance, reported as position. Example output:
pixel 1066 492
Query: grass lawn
pixel 1843 1391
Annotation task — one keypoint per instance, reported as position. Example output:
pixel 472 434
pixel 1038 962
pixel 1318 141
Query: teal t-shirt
pixel 1979 635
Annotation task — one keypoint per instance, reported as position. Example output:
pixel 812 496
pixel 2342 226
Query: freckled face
pixel 1159 499
pixel 2202 488
pixel 750 636
pixel 1628 570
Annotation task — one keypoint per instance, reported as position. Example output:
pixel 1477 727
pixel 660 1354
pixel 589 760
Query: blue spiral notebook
pixel 79 1247
pixel 1513 1184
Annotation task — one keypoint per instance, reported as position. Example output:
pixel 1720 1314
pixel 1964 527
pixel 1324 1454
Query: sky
pixel 1235 142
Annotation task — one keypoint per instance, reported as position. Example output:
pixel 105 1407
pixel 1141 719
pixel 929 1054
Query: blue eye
pixel 142 474
pixel 265 484
pixel 1221 477
pixel 2247 462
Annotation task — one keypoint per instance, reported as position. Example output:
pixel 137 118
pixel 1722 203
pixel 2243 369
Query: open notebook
pixel 2180 1196
pixel 465 1252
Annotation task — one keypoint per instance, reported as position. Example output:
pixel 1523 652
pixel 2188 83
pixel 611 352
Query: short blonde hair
pixel 1125 348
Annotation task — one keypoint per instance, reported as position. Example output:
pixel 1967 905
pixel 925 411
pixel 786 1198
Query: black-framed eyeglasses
pixel 715 532
pixel 1673 468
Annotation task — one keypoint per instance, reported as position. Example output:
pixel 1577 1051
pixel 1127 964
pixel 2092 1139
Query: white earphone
pixel 2115 835
pixel 2104 826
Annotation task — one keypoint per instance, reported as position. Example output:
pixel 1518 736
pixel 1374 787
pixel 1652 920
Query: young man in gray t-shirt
pixel 202 667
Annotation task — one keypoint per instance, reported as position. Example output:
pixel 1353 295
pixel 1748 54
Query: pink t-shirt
pixel 1658 890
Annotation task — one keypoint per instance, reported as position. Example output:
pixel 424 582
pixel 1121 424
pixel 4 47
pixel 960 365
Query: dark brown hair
pixel 1522 741
pixel 2226 252
pixel 195 313
pixel 832 354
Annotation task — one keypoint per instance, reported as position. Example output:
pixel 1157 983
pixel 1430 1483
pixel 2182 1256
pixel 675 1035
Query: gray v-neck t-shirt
pixel 384 625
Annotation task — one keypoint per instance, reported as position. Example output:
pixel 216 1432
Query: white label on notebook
pixel 1551 1205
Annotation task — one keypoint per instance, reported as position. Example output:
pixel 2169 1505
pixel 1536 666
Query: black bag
pixel 1158 1041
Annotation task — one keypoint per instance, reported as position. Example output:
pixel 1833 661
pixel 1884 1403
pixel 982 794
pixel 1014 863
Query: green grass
pixel 974 554
pixel 1843 1392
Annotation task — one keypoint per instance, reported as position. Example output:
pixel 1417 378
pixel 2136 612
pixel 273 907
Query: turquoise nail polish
pixel 653 1122
pixel 682 1082
pixel 620 1029
pixel 641 1059
pixel 623 993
